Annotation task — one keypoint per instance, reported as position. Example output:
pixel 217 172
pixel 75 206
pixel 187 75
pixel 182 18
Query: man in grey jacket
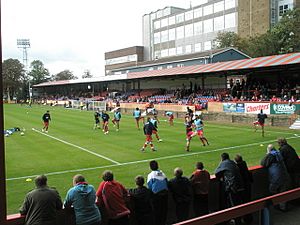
pixel 41 204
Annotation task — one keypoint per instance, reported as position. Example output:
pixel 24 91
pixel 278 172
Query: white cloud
pixel 74 34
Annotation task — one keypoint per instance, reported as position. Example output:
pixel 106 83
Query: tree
pixel 227 39
pixel 38 73
pixel 64 75
pixel 87 74
pixel 13 74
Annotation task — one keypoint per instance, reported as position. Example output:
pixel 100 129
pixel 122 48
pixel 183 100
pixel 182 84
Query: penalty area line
pixel 76 146
pixel 148 160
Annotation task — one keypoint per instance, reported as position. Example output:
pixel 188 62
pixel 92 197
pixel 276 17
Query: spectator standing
pixel 291 161
pixel 180 187
pixel 247 181
pixel 41 204
pixel 158 184
pixel 113 196
pixel 278 176
pixel 200 180
pixel 142 202
pixel 231 182
pixel 82 197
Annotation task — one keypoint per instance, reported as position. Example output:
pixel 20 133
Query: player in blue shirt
pixel 117 118
pixel 137 116
pixel 199 129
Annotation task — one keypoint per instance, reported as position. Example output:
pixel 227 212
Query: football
pixel 22 133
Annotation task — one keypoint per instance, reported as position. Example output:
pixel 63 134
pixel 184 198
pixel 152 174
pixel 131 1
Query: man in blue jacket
pixel 82 197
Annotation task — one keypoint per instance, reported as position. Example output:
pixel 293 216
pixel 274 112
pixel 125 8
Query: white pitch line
pixel 147 160
pixel 76 146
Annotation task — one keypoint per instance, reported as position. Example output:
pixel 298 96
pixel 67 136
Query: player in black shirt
pixel 46 119
pixel 105 119
pixel 97 120
pixel 261 117
pixel 148 130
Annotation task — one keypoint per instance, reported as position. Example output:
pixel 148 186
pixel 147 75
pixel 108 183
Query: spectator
pixel 82 197
pixel 247 181
pixel 41 204
pixel 278 176
pixel 113 196
pixel 200 184
pixel 291 161
pixel 231 182
pixel 142 197
pixel 180 188
pixel 158 184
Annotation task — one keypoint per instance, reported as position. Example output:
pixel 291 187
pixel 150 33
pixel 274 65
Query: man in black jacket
pixel 291 161
pixel 142 198
pixel 180 187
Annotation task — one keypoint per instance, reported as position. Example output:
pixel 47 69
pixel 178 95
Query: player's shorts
pixel 200 132
pixel 105 121
pixel 258 123
pixel 97 121
pixel 189 135
pixel 137 118
pixel 148 138
pixel 46 124
pixel 115 120
pixel 171 118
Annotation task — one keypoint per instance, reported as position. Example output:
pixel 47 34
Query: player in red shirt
pixel 189 132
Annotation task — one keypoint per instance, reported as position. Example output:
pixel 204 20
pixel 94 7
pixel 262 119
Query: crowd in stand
pixel 149 205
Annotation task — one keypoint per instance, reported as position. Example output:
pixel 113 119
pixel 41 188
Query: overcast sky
pixel 74 34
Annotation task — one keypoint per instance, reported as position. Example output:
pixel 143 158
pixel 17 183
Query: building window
pixel 172 51
pixel 180 32
pixel 180 18
pixel 164 36
pixel 165 53
pixel 150 68
pixel 198 47
pixel 156 54
pixel 230 20
pixel 180 65
pixel 208 26
pixel 179 50
pixel 157 24
pixel 159 68
pixel 172 34
pixel 157 38
pixel 198 28
pixel 189 31
pixel 188 15
pixel 283 9
pixel 198 12
pixel 207 10
pixel 171 20
pixel 229 4
pixel 201 2
pixel 207 45
pixel 188 49
pixel 164 22
pixel 169 66
pixel 218 23
pixel 219 6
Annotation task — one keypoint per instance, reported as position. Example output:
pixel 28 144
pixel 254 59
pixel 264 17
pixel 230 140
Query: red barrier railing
pixel 244 209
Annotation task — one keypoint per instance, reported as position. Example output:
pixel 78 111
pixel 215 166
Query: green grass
pixel 35 153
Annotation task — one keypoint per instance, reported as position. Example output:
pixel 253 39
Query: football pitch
pixel 72 146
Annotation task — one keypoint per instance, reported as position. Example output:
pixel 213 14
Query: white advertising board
pixel 254 108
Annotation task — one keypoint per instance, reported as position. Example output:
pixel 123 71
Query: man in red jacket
pixel 113 196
